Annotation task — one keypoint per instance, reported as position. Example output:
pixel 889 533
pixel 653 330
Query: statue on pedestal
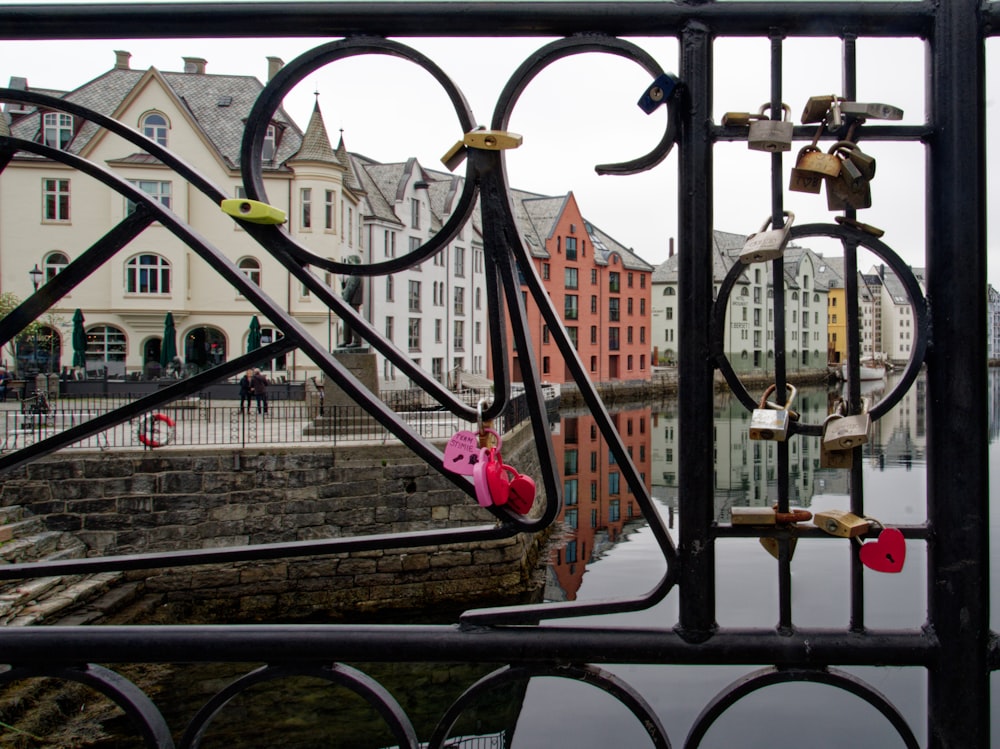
pixel 352 292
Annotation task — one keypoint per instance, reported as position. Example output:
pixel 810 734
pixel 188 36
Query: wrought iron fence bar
pixel 442 643
pixel 957 467
pixel 443 19
pixel 696 390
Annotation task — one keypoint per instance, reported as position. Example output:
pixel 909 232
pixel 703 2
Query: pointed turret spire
pixel 315 142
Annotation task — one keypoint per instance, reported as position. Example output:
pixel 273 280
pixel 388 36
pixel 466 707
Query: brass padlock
pixel 812 167
pixel 767 245
pixel 843 193
pixel 837 459
pixel 771 135
pixel 768 422
pixel 840 523
pixel 867 228
pixel 843 432
pixel 771 545
pixel 739 119
pixel 753 516
pixel 816 109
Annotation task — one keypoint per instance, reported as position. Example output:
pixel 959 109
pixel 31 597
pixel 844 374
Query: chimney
pixel 121 59
pixel 194 65
pixel 274 64
pixel 671 249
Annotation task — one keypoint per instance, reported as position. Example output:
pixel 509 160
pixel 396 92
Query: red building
pixel 598 506
pixel 600 288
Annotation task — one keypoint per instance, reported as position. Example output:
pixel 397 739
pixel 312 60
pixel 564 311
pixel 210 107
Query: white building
pixel 749 330
pixel 51 214
pixel 992 322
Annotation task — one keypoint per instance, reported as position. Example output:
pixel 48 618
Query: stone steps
pixel 50 599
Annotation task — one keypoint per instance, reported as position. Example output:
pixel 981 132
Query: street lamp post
pixel 36 281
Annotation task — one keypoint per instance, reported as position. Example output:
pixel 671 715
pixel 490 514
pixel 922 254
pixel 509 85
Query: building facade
pixel 748 336
pixel 52 214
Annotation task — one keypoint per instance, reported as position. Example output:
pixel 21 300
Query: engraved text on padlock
pixel 771 135
pixel 767 245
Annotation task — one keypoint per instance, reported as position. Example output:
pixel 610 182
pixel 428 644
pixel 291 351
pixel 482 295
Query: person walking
pixel 259 385
pixel 246 390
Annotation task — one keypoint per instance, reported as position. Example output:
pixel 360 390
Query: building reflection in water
pixel 599 510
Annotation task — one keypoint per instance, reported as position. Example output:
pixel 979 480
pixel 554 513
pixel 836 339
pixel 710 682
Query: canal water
pixel 604 555
pixel 605 550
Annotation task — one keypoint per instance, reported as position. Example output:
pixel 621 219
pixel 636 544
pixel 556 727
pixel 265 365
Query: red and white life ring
pixel 155 430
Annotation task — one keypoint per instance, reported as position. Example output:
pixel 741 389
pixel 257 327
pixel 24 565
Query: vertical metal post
pixel 695 371
pixel 957 456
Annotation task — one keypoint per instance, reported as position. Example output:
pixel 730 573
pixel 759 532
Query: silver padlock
pixel 769 421
pixel 767 244
pixel 771 135
pixel 871 111
pixel 847 432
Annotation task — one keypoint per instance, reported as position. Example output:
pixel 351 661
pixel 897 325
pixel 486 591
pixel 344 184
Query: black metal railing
pixel 955 648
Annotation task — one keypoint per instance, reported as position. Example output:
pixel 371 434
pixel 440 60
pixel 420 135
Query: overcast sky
pixel 579 112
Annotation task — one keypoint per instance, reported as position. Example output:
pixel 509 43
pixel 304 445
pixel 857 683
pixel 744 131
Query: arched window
pixel 815 297
pixel 54 263
pixel 278 364
pixel 204 347
pixel 744 291
pixel 250 267
pixel 154 126
pixel 795 295
pixel 669 291
pixel 57 129
pixel 106 346
pixel 147 274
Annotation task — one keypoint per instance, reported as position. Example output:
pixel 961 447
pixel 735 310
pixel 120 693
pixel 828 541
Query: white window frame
pixel 57 130
pixel 55 200
pixel 155 131
pixel 156 268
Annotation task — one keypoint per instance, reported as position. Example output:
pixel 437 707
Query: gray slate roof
pixel 199 93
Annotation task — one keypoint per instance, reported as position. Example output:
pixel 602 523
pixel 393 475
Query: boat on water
pixel 867 371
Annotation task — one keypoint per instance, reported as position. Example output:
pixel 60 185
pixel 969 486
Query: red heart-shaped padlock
pixel 522 492
pixel 497 480
pixel 886 553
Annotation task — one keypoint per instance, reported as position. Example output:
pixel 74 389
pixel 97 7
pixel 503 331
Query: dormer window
pixel 154 127
pixel 57 129
pixel 270 144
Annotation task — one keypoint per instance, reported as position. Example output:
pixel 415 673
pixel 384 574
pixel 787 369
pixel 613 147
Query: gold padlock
pixel 816 109
pixel 840 523
pixel 771 545
pixel 860 226
pixel 767 245
pixel 812 167
pixel 752 516
pixel 739 119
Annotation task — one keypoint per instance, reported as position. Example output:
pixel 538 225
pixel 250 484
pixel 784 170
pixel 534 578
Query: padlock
pixel 253 211
pixel 771 135
pixel 850 175
pixel 867 228
pixel 837 459
pixel 767 245
pixel 816 109
pixel 843 193
pixel 812 167
pixel 769 423
pixel 834 457
pixel 658 92
pixel 843 432
pixel 771 545
pixel 873 111
pixel 739 119
pixel 840 523
pixel 852 157
pixel 834 118
pixel 753 516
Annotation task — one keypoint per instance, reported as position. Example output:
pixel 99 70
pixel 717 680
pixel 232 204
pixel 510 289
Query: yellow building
pixel 836 325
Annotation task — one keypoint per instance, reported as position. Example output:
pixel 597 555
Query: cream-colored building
pixel 51 214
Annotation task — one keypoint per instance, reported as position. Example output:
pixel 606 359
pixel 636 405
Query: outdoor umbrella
pixel 168 349
pixel 253 340
pixel 79 340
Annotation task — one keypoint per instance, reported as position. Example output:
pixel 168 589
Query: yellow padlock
pixel 841 523
pixel 492 140
pixel 253 211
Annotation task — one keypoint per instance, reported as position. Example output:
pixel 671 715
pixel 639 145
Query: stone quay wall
pixel 141 502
